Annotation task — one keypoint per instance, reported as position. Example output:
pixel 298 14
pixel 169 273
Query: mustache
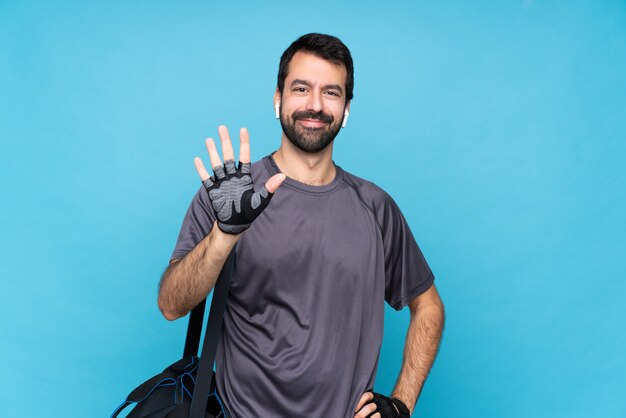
pixel 308 114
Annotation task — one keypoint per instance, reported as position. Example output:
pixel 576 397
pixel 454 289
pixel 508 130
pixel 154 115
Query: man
pixel 303 324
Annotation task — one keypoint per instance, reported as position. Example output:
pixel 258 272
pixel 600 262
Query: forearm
pixel 420 350
pixel 186 282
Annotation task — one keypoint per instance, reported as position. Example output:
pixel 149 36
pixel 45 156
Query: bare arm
pixel 187 281
pixel 421 345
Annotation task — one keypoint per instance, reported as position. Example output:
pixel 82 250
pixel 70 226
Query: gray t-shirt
pixel 303 325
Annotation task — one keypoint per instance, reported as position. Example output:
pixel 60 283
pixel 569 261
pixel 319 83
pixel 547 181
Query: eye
pixel 299 89
pixel 332 93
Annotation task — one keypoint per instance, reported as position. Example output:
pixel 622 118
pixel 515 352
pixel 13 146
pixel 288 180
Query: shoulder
pixel 259 164
pixel 368 192
pixel 261 169
pixel 376 200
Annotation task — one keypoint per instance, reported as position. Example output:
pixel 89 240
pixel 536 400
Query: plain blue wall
pixel 498 127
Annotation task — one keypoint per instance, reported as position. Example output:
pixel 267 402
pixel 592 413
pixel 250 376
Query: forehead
pixel 309 67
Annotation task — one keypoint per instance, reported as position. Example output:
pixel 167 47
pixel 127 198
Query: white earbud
pixel 277 109
pixel 345 118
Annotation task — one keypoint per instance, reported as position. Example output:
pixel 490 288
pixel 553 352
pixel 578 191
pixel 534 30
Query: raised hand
pixel 231 190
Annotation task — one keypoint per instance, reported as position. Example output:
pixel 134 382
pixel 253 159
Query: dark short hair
pixel 327 47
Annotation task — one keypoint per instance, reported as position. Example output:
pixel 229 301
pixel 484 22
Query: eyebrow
pixel 327 86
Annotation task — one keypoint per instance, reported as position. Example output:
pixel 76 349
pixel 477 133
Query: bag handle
pixel 211 336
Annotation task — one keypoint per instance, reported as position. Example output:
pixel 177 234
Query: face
pixel 313 102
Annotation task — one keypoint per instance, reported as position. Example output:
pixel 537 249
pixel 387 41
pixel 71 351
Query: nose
pixel 314 102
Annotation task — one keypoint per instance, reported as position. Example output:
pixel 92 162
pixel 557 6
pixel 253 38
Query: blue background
pixel 498 127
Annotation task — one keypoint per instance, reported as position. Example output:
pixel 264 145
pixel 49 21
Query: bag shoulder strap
pixel 211 336
pixel 194 329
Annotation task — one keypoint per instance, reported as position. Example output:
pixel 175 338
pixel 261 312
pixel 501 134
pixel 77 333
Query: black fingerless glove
pixel 385 406
pixel 233 197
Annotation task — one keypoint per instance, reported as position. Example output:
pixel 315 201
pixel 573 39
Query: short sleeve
pixel 407 273
pixel 197 224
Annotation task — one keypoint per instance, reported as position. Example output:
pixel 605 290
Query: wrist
pixel 221 242
pixel 401 406
pixel 390 406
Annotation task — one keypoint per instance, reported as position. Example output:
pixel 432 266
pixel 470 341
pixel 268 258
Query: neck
pixel 314 169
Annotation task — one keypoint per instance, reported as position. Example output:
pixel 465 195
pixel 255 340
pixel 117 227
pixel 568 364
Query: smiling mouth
pixel 312 123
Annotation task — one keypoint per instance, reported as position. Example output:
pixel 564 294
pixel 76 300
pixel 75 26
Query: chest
pixel 307 245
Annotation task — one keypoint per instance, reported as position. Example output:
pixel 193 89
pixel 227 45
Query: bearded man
pixel 303 323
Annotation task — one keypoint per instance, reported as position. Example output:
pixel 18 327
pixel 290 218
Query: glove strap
pixel 404 410
pixel 232 229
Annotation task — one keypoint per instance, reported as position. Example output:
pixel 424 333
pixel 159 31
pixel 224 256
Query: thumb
pixel 273 182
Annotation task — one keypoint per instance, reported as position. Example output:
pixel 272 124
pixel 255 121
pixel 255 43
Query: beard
pixel 309 139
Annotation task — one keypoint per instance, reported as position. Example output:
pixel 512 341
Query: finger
pixel 244 146
pixel 376 415
pixel 245 168
pixel 272 184
pixel 204 175
pixel 219 171
pixel 227 146
pixel 230 166
pixel 367 396
pixel 367 410
pixel 213 154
